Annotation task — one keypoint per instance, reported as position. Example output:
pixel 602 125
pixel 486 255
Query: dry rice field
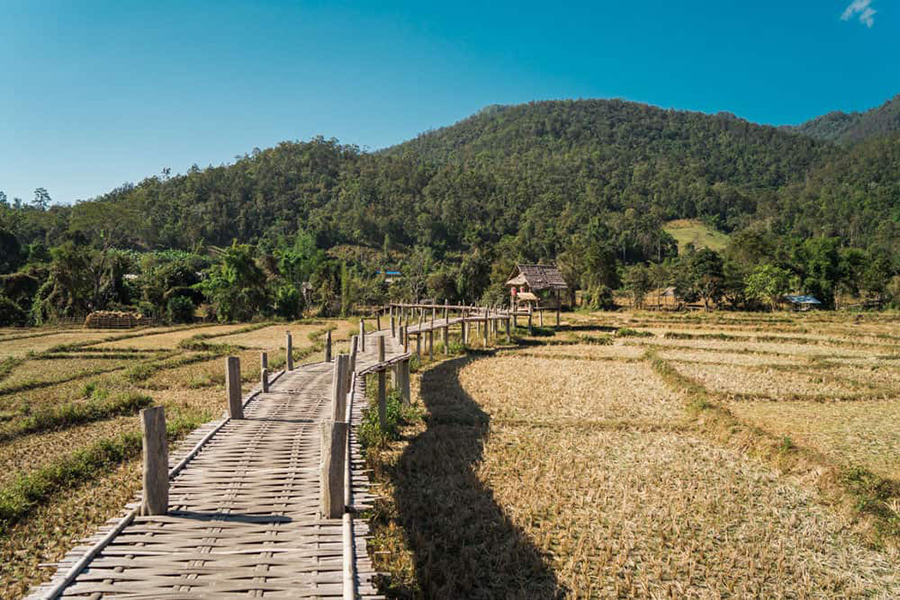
pixel 728 455
pixel 69 446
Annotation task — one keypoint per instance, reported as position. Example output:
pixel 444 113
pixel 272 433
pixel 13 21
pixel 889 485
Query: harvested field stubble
pixel 541 389
pixel 668 515
pixel 511 471
pixel 771 383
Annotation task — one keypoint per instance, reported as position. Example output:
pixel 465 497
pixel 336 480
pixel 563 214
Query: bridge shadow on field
pixel 464 544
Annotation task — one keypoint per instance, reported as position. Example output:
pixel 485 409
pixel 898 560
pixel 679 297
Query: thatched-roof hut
pixel 529 283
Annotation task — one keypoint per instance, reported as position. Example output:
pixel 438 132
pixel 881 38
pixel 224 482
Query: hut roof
pixel 538 277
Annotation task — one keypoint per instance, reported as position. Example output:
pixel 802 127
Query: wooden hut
pixel 533 284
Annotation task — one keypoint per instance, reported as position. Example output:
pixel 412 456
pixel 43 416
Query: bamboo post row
pixel 155 496
pixel 233 387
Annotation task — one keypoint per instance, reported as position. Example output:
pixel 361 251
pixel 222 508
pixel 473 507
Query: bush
pixel 180 309
pixel 628 332
pixel 11 314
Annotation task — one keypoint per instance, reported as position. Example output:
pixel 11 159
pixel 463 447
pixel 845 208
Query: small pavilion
pixel 529 283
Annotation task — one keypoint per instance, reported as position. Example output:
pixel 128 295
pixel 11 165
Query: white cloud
pixel 862 8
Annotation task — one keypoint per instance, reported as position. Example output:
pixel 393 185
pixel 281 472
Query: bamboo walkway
pixel 243 518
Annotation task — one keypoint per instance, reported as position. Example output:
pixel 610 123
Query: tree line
pixel 588 184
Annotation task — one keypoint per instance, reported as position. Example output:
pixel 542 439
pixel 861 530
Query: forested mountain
pixel 849 128
pixel 588 183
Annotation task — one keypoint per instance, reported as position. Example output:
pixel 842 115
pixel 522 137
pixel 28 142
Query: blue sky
pixel 94 94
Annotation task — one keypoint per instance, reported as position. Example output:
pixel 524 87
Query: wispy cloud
pixel 863 9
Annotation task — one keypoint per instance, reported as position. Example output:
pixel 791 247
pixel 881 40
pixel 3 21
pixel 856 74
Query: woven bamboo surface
pixel 243 520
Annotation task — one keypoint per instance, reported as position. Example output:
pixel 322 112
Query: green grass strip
pixel 32 489
pixel 63 416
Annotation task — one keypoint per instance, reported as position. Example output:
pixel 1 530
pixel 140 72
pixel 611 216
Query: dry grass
pixel 850 433
pixel 585 351
pixel 537 474
pixel 40 372
pixel 633 514
pixel 731 358
pixel 59 525
pixel 767 382
pixel 166 339
pixel 31 452
pixel 549 390
pixel 22 346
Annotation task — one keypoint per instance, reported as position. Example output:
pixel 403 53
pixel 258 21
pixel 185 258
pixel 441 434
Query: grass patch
pixel 101 405
pixel 30 490
pixel 632 333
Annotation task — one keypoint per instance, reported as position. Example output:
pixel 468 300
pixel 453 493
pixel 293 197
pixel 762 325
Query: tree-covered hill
pixel 590 184
pixel 849 128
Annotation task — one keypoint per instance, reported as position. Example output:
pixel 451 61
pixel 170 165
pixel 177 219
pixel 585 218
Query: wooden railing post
pixel 362 335
pixel 419 345
pixel 404 381
pixel 393 327
pixel 530 321
pixel 233 387
pixel 289 350
pixel 264 371
pixel 486 325
pixel 377 320
pixel 445 334
pixel 508 338
pixel 155 497
pixel 354 349
pixel 463 327
pixel 334 444
pixel 380 348
pixel 328 346
pixel 339 388
pixel 431 344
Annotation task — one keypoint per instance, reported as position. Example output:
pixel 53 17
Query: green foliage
pixel 768 284
pixel 372 434
pixel 11 314
pixel 180 309
pixel 236 286
pixel 628 332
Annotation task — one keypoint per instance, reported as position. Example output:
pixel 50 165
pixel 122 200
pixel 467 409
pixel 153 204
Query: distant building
pixel 799 302
pixel 530 284
pixel 390 276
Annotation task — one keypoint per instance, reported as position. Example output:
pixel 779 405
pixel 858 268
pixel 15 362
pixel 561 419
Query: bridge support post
pixel 508 339
pixel 431 344
pixel 463 326
pixel 264 371
pixel 289 349
pixel 393 327
pixel 419 345
pixel 378 320
pixel 362 335
pixel 339 388
pixel 334 445
pixel 233 387
pixel 445 334
pixel 155 497
pixel 328 346
pixel 354 351
pixel 404 381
